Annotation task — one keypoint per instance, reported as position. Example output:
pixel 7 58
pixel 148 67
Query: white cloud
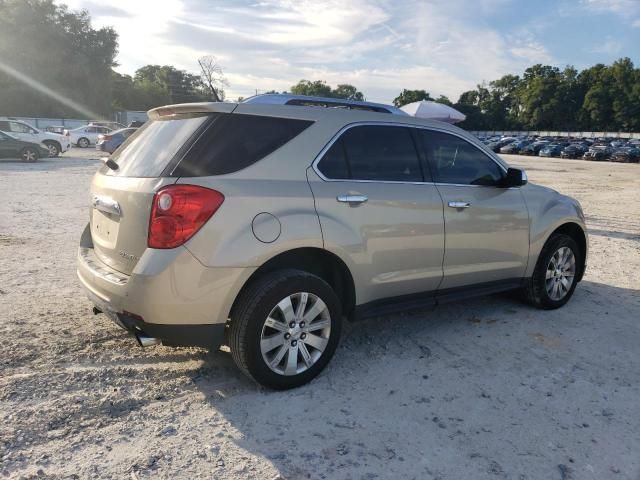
pixel 609 47
pixel 380 46
pixel 628 10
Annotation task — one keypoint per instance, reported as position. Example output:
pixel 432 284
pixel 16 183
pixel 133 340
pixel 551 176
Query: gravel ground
pixel 483 389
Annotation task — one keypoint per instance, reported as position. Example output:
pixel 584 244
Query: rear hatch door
pixel 121 198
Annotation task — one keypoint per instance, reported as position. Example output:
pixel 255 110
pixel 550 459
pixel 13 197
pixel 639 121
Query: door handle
pixel 106 205
pixel 459 204
pixel 352 199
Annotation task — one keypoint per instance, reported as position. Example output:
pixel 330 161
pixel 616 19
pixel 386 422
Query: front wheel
pixel 54 149
pixel 285 328
pixel 556 274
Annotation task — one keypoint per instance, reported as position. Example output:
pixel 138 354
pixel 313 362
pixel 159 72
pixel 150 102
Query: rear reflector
pixel 178 212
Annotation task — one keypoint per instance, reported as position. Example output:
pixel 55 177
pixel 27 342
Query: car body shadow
pixel 448 391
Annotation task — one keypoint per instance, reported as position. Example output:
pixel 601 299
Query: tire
pixel 29 155
pixel 258 310
pixel 539 290
pixel 83 142
pixel 54 149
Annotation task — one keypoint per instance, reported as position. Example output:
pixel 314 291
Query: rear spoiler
pixel 182 108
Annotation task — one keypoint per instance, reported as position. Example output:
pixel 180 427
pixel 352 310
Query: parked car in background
pixel 552 150
pixel 85 136
pixel 108 142
pixel 12 147
pixel 56 144
pixel 496 146
pixel 598 153
pixel 626 155
pixel 280 222
pixel 533 148
pixel 136 124
pixel 514 147
pixel 575 150
pixel 58 129
pixel 106 123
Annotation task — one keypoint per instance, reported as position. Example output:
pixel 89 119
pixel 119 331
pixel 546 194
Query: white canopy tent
pixel 433 111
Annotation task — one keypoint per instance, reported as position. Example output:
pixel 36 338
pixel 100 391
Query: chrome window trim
pixel 340 132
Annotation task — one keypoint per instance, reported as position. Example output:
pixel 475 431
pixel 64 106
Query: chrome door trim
pixel 340 132
pixel 352 198
pixel 106 205
pixel 459 204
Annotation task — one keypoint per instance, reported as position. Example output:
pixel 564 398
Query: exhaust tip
pixel 145 341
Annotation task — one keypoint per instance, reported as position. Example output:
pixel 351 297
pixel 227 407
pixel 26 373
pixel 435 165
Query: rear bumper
pixel 169 295
pixel 207 336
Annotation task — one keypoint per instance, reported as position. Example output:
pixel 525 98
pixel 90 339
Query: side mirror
pixel 516 177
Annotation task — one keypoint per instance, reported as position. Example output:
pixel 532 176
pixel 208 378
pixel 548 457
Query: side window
pixel 454 160
pixel 333 164
pixel 19 127
pixel 384 153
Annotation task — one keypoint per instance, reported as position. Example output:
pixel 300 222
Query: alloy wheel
pixel 53 150
pixel 295 334
pixel 29 155
pixel 561 272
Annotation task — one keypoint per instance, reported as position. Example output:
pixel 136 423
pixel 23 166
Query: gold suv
pixel 262 225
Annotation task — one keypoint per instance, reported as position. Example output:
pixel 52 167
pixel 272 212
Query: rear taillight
pixel 178 212
pixel 105 137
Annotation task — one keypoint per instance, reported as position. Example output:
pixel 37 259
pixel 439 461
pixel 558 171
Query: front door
pixel 377 212
pixel 486 225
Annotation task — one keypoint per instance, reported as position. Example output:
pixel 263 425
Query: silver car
pixel 263 225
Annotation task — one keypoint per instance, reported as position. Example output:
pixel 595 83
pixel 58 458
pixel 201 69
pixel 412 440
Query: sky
pixel 380 46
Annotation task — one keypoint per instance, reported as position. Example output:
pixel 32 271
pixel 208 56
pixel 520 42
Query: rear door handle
pixel 459 204
pixel 352 199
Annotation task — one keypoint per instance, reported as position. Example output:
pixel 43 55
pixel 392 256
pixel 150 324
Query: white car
pixel 85 136
pixel 56 143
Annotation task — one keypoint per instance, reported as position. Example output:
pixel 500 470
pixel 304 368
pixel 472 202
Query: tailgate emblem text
pixel 128 256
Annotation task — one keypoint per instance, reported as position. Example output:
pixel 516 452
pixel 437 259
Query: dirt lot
pixel 487 388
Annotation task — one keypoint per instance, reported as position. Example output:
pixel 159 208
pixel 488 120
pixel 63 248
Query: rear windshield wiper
pixel 111 164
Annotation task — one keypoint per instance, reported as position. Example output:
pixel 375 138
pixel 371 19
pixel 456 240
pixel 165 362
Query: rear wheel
pixel 29 154
pixel 83 142
pixel 285 328
pixel 556 274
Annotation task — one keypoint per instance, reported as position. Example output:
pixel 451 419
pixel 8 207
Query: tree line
pixel 60 49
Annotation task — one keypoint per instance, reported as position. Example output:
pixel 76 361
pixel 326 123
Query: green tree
pixel 410 96
pixel 444 99
pixel 58 48
pixel 347 91
pixel 319 88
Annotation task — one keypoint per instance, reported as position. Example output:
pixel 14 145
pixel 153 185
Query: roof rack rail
pixel 307 101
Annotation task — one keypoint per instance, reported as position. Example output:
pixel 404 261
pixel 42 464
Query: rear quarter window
pixel 235 141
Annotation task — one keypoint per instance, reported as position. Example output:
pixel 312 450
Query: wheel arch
pixel 578 234
pixel 317 261
pixel 56 142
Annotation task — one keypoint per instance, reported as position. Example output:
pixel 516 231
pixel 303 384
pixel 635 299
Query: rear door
pixel 378 211
pixel 487 226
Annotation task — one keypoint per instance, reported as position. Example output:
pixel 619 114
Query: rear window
pixel 200 145
pixel 148 152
